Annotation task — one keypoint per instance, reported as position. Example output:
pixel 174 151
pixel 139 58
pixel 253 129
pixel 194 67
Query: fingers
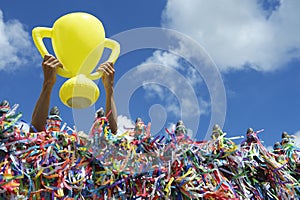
pixel 51 61
pixel 56 63
pixel 107 67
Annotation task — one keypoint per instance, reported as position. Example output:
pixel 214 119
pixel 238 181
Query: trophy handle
pixel 115 52
pixel 115 49
pixel 38 34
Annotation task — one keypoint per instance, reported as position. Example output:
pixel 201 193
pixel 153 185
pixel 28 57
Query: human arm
pixel 108 82
pixel 40 113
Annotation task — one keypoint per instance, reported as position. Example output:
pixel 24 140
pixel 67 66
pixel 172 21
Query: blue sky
pixel 254 45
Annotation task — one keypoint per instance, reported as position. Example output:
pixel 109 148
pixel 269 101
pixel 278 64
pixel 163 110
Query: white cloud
pixel 297 139
pixel 169 62
pixel 154 91
pixel 15 44
pixel 239 33
pixel 167 78
pixel 124 123
pixel 165 59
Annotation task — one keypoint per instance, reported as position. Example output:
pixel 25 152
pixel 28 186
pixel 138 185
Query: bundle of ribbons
pixel 62 163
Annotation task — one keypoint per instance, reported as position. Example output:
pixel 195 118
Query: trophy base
pixel 79 102
pixel 79 92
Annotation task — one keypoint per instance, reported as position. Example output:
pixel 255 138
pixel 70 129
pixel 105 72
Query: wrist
pixel 109 91
pixel 48 85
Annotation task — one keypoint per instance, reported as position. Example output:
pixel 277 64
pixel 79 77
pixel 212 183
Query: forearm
pixel 41 109
pixel 111 108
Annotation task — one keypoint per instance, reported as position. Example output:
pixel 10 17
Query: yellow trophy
pixel 78 40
